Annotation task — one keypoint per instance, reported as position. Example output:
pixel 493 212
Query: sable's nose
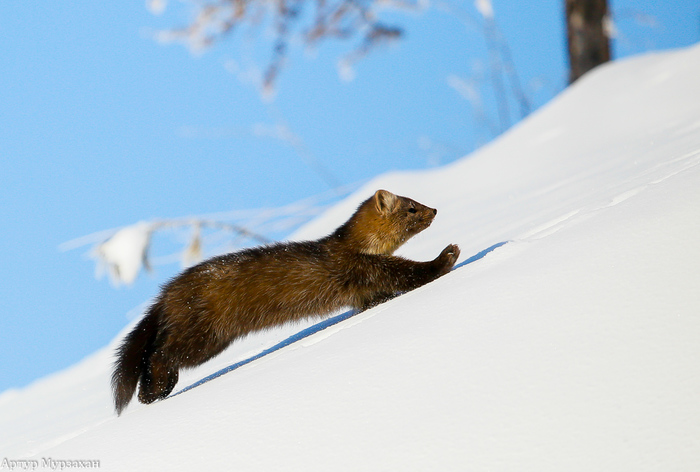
pixel 434 211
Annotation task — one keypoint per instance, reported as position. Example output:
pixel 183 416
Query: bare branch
pixel 343 19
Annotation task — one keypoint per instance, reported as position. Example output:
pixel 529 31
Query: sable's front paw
pixel 448 257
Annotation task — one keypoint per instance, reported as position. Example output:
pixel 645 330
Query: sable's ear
pixel 385 201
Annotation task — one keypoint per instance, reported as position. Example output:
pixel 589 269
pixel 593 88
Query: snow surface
pixel 572 346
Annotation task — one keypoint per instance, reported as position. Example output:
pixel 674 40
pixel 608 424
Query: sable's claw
pixel 451 251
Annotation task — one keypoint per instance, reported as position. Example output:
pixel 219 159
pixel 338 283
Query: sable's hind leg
pixel 158 379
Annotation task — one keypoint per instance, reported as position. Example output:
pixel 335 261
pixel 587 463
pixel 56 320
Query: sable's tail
pixel 132 358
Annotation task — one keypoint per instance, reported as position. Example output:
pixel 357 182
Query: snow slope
pixel 572 346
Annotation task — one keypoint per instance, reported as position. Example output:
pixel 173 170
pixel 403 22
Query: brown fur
pixel 201 311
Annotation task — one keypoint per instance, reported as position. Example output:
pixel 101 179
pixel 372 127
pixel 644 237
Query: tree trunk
pixel 587 35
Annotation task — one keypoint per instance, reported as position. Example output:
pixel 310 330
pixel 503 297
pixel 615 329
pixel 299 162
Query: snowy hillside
pixel 573 346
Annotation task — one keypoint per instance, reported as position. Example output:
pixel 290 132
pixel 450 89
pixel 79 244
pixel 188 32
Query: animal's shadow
pixel 479 255
pixel 311 330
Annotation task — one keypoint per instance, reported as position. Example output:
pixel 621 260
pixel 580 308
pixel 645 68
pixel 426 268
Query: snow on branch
pixel 124 252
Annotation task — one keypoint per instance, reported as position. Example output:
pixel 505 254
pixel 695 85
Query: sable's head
pixel 385 221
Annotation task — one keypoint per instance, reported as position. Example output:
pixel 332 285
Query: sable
pixel 208 306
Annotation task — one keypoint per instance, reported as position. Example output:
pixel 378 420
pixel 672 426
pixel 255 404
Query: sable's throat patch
pixel 377 245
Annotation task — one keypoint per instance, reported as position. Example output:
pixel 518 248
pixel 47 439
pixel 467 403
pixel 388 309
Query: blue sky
pixel 101 126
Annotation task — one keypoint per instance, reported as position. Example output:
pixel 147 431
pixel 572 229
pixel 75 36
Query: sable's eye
pixel 412 210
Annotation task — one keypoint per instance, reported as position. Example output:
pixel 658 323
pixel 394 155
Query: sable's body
pixel 201 311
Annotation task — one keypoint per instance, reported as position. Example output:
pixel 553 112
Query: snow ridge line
pixel 305 333
pixel 675 166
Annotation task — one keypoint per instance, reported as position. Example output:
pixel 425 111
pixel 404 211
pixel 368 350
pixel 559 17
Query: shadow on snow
pixel 311 330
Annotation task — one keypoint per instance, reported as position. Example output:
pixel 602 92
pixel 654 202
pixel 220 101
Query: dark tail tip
pixel 124 388
pixel 132 357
